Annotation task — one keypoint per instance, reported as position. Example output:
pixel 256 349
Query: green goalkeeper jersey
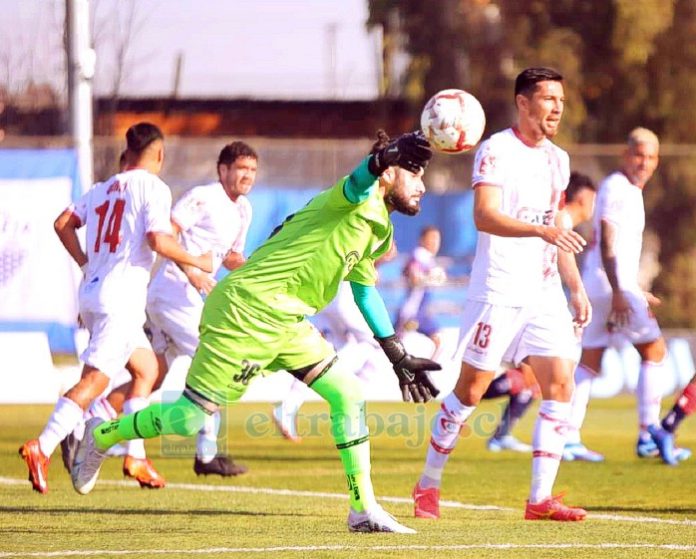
pixel 298 269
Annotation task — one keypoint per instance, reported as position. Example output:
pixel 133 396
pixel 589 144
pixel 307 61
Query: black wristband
pixel 376 165
pixel 393 348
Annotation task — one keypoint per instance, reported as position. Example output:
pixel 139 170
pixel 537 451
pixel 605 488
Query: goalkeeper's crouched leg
pixel 344 394
pixel 182 417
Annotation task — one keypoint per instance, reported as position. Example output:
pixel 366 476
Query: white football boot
pixel 88 460
pixel 375 520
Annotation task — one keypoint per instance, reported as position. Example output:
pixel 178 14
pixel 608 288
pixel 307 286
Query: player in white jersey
pixel 610 274
pixel 519 384
pixel 213 218
pixel 422 272
pixel 127 222
pixel 511 313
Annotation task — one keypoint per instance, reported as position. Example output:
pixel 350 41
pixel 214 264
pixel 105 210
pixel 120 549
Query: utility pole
pixel 81 63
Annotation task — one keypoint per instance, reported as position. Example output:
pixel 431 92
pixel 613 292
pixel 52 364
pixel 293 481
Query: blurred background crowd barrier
pixel 38 281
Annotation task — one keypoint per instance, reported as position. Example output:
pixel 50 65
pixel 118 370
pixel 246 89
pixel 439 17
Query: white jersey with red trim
pixel 620 203
pixel 209 221
pixel 118 213
pixel 516 270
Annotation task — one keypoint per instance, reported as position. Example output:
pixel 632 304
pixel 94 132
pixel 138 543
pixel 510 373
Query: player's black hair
pixel 527 80
pixel 141 135
pixel 381 142
pixel 232 151
pixel 577 182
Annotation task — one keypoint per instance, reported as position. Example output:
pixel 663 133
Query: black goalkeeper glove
pixel 409 151
pixel 411 371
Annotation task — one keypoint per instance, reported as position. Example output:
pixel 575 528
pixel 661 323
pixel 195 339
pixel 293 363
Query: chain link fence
pixel 315 163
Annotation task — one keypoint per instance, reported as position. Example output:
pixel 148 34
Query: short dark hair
pixel 141 135
pixel 577 182
pixel 234 150
pixel 381 142
pixel 527 80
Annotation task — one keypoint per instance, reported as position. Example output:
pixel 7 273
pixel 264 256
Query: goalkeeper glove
pixel 411 371
pixel 409 151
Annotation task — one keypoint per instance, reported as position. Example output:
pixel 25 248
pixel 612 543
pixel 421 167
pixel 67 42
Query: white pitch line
pixel 342 496
pixel 271 491
pixel 351 548
pixel 641 519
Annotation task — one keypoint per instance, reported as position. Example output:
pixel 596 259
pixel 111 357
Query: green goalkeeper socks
pixel 343 392
pixel 182 417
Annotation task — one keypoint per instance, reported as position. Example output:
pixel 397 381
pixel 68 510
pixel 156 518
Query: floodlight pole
pixel 81 63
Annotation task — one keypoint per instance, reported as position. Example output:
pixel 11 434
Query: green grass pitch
pixel 291 503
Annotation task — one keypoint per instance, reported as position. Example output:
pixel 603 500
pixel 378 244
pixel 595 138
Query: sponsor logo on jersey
pixel 487 164
pixel 116 186
pixel 535 216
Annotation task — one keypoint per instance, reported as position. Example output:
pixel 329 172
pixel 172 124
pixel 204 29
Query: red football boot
pixel 553 509
pixel 426 502
pixel 37 462
pixel 142 470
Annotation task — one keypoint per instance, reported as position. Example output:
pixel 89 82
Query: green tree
pixel 671 203
pixel 626 63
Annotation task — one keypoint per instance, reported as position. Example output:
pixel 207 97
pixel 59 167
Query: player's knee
pixel 654 352
pixel 558 390
pixel 658 354
pixel 344 394
pixel 471 393
pixel 92 383
pixel 564 391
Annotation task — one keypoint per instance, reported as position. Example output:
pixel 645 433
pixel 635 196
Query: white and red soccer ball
pixel 453 121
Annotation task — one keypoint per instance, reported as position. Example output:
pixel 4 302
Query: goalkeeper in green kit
pixel 254 320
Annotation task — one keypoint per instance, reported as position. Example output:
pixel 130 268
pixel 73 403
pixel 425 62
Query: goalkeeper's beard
pixel 402 204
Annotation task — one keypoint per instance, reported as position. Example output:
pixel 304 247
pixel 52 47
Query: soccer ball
pixel 453 121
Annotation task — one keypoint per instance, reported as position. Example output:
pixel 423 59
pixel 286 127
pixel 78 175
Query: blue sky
pixel 274 49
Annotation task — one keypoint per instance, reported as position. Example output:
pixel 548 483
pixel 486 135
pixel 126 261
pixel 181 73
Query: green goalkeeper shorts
pixel 240 338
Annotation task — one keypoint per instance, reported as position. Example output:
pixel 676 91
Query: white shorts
pixel 112 340
pixel 173 328
pixel 642 327
pixel 494 334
